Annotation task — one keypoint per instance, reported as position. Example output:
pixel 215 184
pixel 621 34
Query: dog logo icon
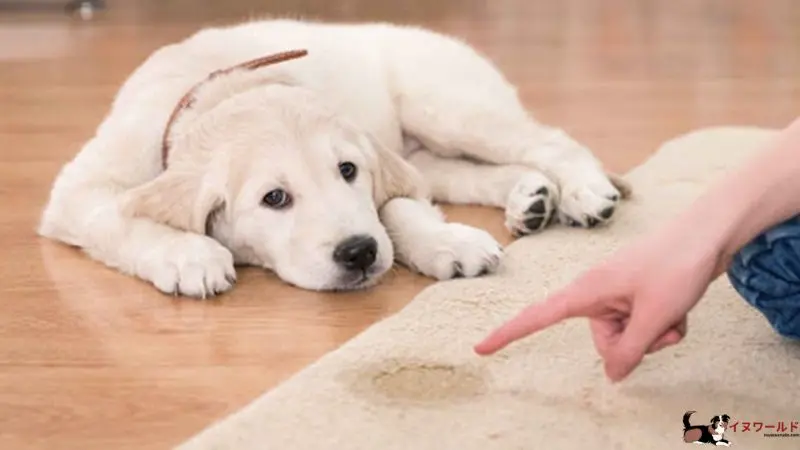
pixel 712 434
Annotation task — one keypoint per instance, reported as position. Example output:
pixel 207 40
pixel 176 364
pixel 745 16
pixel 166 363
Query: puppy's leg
pixel 528 197
pixel 84 211
pixel 587 197
pixel 425 243
pixel 461 105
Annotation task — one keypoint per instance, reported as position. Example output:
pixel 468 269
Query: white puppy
pixel 319 166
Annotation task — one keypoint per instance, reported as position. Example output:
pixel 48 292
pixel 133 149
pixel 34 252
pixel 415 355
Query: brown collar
pixel 188 99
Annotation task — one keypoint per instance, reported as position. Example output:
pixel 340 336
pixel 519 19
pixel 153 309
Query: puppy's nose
pixel 356 252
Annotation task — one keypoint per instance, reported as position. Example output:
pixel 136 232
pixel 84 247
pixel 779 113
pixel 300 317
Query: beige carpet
pixel 412 381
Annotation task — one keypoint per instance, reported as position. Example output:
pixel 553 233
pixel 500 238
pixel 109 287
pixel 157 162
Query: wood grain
pixel 92 359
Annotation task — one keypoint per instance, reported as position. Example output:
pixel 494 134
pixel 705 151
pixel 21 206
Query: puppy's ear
pixel 393 176
pixel 180 199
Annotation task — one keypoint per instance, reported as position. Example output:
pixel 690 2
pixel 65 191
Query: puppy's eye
pixel 277 199
pixel 348 171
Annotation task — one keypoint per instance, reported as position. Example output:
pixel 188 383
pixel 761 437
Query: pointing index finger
pixel 531 320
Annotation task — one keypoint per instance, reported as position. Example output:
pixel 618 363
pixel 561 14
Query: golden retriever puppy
pixel 316 151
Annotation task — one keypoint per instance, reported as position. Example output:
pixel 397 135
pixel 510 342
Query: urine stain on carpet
pixel 417 381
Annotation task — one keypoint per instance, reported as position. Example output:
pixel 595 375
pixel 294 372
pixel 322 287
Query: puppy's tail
pixel 686 416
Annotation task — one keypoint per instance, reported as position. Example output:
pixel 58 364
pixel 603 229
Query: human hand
pixel 637 301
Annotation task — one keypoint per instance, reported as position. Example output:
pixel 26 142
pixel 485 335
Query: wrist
pixel 724 220
pixel 714 227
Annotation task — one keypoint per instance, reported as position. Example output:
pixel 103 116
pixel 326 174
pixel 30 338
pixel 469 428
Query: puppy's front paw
pixel 588 202
pixel 457 251
pixel 531 204
pixel 190 265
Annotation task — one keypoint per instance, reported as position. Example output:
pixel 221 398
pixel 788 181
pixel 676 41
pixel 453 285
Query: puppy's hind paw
pixel 531 205
pixel 588 205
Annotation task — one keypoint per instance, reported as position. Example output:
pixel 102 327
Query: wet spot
pixel 417 381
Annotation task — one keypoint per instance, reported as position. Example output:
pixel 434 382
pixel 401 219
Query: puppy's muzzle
pixel 356 253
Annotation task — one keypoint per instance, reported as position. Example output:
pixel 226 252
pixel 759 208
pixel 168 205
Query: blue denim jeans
pixel 766 273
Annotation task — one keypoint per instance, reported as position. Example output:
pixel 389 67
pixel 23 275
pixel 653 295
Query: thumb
pixel 622 359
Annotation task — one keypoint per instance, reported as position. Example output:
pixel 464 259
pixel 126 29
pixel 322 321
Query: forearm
pixel 759 194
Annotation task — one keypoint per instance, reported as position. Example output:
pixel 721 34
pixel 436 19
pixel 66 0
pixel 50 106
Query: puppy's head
pixel 284 183
pixel 720 423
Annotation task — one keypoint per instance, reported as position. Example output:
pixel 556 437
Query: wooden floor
pixel 92 359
